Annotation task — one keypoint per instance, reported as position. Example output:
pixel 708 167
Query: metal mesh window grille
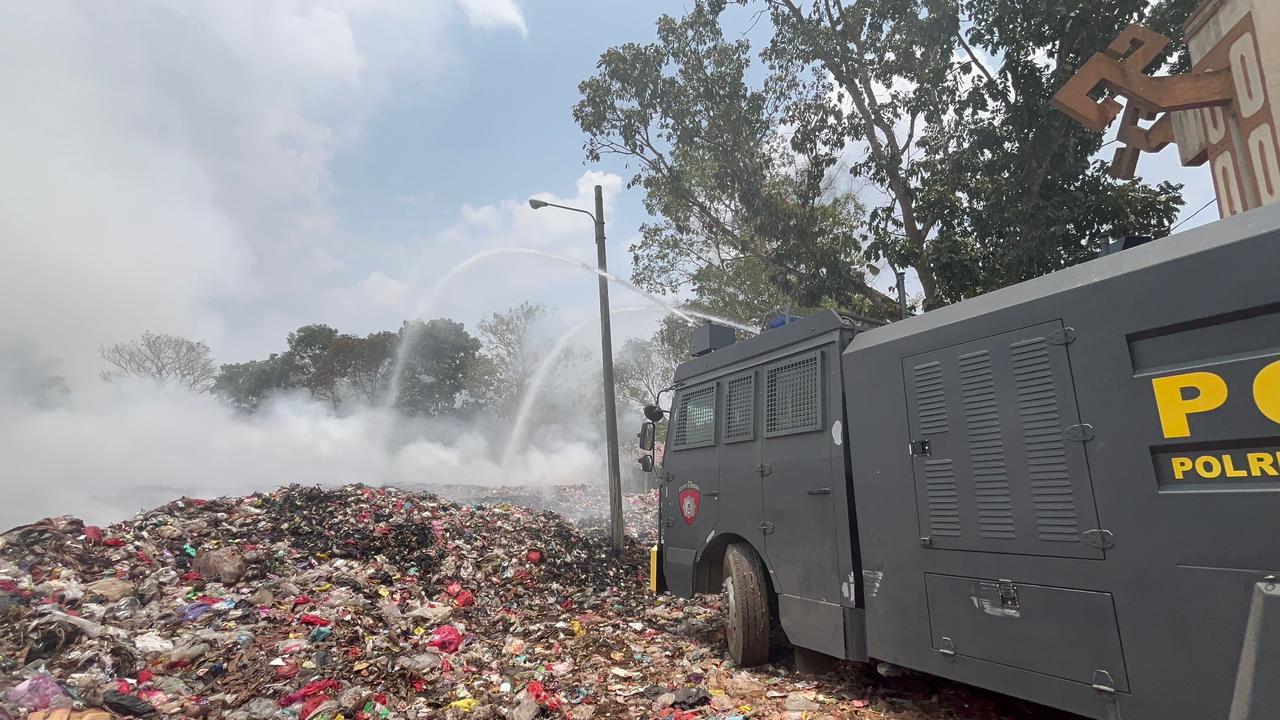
pixel 739 406
pixel 792 400
pixel 695 418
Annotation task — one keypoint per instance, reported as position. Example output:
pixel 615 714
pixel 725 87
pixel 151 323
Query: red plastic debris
pixel 534 556
pixel 465 599
pixel 145 676
pixel 446 638
pixel 541 696
pixel 92 533
pixel 310 689
pixel 309 708
pixel 316 620
pixel 113 542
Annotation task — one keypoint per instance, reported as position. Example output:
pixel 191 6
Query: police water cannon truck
pixel 1067 490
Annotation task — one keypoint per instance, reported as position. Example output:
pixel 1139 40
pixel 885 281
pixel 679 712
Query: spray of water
pixel 543 373
pixel 402 352
pixel 746 329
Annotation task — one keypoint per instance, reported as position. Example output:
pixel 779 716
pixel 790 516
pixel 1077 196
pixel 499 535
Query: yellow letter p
pixel 1174 406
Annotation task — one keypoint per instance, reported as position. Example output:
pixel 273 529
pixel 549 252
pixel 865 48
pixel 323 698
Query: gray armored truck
pixel 1067 490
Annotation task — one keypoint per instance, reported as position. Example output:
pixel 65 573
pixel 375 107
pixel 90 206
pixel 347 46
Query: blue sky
pixel 233 170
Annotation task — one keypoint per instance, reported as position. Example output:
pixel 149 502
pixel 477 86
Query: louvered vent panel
pixel 931 399
pixel 986 447
pixel 1039 417
pixel 695 420
pixel 944 505
pixel 792 402
pixel 739 405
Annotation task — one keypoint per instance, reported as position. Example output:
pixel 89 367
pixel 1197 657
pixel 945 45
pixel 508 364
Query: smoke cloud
pixel 107 451
pixel 167 166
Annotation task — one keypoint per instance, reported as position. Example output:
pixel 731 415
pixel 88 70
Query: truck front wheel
pixel 746 606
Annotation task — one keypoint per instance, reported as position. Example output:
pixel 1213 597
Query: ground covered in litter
pixel 362 602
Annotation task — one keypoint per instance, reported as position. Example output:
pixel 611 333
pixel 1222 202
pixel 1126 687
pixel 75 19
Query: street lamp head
pixel 536 204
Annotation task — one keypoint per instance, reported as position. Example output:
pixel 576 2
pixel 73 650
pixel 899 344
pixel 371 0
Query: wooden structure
pixel 1221 113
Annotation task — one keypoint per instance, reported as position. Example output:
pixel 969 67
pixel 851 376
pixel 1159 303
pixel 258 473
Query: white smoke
pixel 166 166
pixel 107 451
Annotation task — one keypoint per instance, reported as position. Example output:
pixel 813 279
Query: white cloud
pixel 383 290
pixel 494 13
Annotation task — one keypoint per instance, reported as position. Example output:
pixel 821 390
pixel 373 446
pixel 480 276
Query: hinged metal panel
pixel 993 466
pixel 1061 632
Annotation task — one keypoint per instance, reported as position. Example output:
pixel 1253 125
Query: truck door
pixel 691 482
pixel 740 481
pixel 799 500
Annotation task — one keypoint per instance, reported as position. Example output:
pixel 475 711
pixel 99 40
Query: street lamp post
pixel 606 355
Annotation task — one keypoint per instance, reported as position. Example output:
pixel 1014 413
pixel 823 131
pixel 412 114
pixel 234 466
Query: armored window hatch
pixel 739 408
pixel 695 421
pixel 793 397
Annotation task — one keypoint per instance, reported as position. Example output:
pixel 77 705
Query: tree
pixel 643 369
pixel 984 183
pixel 311 364
pixel 439 358
pixel 364 363
pixel 973 180
pixel 245 385
pixel 510 357
pixel 162 358
pixel 729 190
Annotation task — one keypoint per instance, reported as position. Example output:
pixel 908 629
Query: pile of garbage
pixel 367 603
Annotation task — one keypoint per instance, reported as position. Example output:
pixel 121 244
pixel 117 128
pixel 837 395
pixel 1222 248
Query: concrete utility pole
pixel 606 357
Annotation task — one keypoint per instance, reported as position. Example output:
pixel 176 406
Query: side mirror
pixel 646 463
pixel 653 413
pixel 646 438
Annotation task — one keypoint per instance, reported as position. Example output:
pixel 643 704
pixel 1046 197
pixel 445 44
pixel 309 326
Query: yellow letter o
pixel 1208 466
pixel 1266 391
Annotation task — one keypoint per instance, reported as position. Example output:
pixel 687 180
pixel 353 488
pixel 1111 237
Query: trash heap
pixel 365 603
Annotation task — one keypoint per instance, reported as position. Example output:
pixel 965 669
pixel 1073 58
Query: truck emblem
pixel 690 499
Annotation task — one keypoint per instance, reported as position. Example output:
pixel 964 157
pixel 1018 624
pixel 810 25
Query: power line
pixel 1175 227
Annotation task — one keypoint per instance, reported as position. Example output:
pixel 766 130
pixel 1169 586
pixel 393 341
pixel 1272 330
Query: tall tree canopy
pixel 940 109
pixel 511 352
pixel 162 358
pixel 439 355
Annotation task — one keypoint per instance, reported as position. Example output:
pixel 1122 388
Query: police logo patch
pixel 690 500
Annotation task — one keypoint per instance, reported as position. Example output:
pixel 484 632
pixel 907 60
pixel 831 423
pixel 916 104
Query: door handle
pixel 764 470
pixel 766 527
pixel 712 493
pixel 818 491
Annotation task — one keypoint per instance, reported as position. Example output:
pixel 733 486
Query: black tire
pixel 746 606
